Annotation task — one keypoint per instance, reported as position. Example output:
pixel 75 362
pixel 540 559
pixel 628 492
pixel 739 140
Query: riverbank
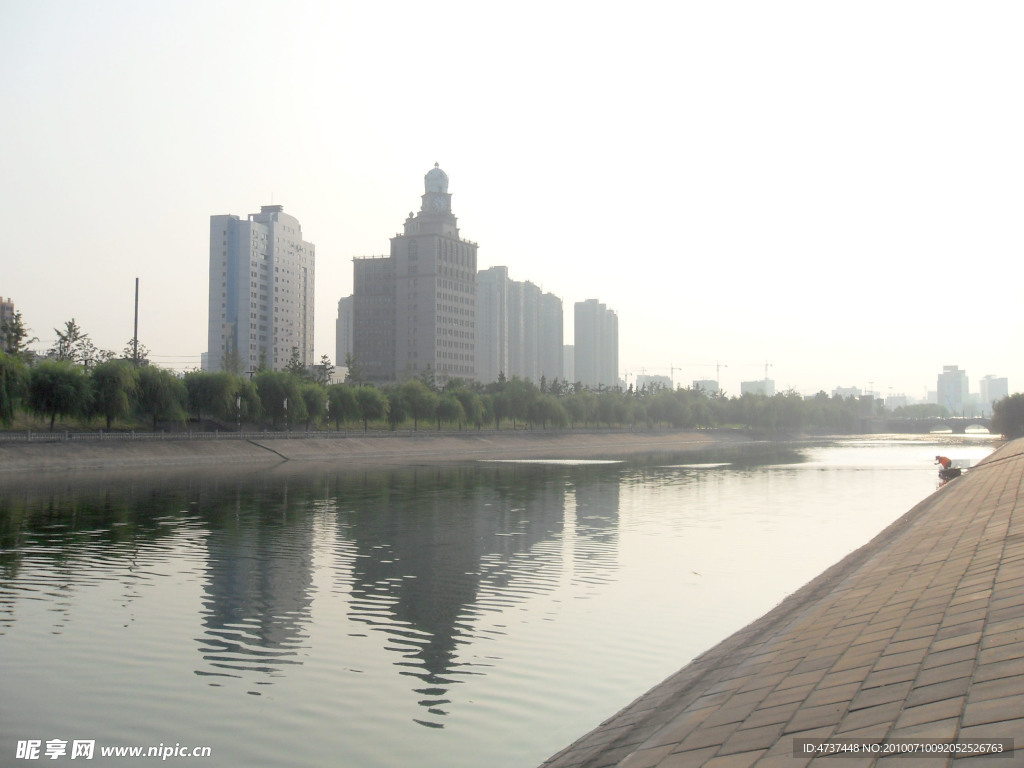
pixel 912 640
pixel 384 450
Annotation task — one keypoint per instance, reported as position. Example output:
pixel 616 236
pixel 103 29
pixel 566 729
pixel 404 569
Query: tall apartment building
pixel 519 329
pixel 261 292
pixel 952 389
pixel 993 389
pixel 343 335
pixel 415 309
pixel 596 342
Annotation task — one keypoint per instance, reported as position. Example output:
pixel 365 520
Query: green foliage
pixel 162 396
pixel 115 389
pixel 343 405
pixel 1008 416
pixel 295 365
pixel 449 409
pixel 280 394
pixel 214 394
pixel 314 400
pixel 372 403
pixel 14 337
pixel 58 388
pixel 74 345
pixel 420 400
pixel 13 386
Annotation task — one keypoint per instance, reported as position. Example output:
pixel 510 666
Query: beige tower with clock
pixel 431 284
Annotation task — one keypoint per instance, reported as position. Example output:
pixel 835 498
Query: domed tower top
pixel 436 180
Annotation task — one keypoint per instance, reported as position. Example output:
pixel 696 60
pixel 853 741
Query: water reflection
pixel 385 599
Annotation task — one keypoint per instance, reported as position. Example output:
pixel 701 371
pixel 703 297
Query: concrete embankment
pixel 915 642
pixel 417 448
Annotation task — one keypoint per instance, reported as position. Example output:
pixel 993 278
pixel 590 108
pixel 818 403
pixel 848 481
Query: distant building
pixel 993 389
pixel 763 387
pixel 845 392
pixel 596 337
pixel 262 276
pixel 652 381
pixel 952 389
pixel 892 402
pixel 343 336
pixel 708 386
pixel 414 310
pixel 519 329
pixel 6 316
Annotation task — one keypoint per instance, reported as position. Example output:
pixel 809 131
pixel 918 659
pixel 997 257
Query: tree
pixel 472 406
pixel 1008 416
pixel 115 388
pixel 138 354
pixel 314 400
pixel 343 405
pixel 449 409
pixel 420 399
pixel 295 365
pixel 398 409
pixel 13 380
pixel 280 394
pixel 372 404
pixel 14 337
pixel 74 345
pixel 57 388
pixel 214 393
pixel 353 373
pixel 162 395
pixel 324 371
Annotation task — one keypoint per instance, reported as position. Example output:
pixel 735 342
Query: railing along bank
pixel 30 436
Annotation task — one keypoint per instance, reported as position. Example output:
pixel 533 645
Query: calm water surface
pixel 484 614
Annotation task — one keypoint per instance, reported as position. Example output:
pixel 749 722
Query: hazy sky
pixel 832 187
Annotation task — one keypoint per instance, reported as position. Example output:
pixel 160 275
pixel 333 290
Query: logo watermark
pixel 86 749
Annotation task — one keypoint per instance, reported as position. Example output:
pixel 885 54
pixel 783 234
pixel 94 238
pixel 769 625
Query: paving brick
pixel 927 694
pixel 922 639
pixel 994 710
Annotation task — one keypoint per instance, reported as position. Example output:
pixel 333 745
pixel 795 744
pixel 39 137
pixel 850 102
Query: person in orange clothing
pixel 948 471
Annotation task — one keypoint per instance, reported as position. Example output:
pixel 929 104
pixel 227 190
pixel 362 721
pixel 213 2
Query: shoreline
pixel 358 452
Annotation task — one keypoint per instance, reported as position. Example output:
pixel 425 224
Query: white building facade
pixel 262 278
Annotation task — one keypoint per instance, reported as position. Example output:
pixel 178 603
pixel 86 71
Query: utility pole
pixel 135 333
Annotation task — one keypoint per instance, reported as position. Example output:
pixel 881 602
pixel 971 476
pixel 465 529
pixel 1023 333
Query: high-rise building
pixel 492 318
pixel 6 316
pixel 952 389
pixel 343 335
pixel 596 342
pixel 415 310
pixel 519 329
pixel 993 389
pixel 261 292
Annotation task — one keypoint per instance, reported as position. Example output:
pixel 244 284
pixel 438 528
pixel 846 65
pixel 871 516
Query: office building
pixel 596 342
pixel 414 311
pixel 261 292
pixel 952 391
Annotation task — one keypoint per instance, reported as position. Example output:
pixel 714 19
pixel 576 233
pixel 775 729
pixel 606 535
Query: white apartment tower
pixel 261 292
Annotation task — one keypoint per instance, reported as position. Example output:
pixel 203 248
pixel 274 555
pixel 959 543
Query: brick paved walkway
pixel 918 635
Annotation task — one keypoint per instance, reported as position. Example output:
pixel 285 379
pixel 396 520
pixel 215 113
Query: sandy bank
pixel 348 451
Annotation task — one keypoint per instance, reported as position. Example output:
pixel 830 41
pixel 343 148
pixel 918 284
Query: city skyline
pixel 830 191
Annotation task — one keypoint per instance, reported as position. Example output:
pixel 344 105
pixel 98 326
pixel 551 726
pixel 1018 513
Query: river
pixel 484 614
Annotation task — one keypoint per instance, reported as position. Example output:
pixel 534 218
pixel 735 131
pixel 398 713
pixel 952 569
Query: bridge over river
pixel 958 425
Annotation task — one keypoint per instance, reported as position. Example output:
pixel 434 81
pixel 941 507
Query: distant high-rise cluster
pixel 426 308
pixel 261 292
pixel 520 329
pixel 421 310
